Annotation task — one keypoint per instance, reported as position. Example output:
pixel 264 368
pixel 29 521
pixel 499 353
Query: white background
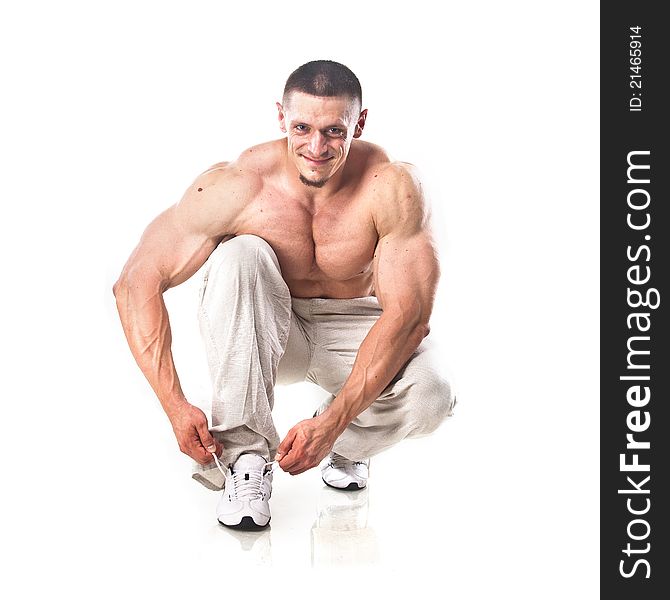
pixel 109 111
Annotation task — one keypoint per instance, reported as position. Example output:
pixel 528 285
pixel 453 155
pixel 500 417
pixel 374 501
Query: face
pixel 320 131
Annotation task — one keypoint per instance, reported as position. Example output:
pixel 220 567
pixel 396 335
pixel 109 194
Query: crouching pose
pixel 320 266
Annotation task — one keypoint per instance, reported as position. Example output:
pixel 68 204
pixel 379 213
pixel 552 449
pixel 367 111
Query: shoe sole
pixel 246 524
pixel 353 486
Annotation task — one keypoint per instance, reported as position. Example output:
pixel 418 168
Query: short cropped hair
pixel 324 78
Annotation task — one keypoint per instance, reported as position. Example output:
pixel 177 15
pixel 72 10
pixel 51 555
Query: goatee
pixel 316 184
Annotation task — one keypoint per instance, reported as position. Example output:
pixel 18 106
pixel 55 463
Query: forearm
pixel 147 327
pixel 388 346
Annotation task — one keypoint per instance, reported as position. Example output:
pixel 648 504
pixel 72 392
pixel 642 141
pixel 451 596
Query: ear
pixel 361 123
pixel 281 117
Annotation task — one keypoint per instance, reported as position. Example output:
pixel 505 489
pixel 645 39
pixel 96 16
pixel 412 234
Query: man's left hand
pixel 305 445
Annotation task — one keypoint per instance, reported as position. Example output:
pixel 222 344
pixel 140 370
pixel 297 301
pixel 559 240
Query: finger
pixel 285 447
pixel 286 460
pixel 204 460
pixel 301 467
pixel 290 456
pixel 297 470
pixel 196 451
pixel 219 447
pixel 199 455
pixel 292 460
pixel 206 439
pixel 286 464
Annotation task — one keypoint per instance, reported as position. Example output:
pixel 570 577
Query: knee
pixel 235 269
pixel 433 402
pixel 241 256
pixel 240 252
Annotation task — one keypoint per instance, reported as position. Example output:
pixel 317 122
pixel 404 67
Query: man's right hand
pixel 190 428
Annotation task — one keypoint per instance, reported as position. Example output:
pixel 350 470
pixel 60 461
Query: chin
pixel 317 183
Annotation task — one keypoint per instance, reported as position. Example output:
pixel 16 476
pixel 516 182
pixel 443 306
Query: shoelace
pixel 338 461
pixel 247 488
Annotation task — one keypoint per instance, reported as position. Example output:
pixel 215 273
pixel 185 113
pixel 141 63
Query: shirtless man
pixel 320 267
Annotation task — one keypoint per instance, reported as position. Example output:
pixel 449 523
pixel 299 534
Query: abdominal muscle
pixel 355 288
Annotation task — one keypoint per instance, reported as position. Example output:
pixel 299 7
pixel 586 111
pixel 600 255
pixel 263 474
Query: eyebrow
pixel 338 124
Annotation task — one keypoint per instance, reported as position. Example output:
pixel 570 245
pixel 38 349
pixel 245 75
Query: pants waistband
pixel 336 306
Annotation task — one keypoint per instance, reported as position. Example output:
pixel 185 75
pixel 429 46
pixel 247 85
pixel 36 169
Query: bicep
pixel 406 263
pixel 406 275
pixel 179 241
pixel 169 252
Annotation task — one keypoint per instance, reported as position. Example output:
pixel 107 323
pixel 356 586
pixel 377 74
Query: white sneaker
pixel 345 474
pixel 244 504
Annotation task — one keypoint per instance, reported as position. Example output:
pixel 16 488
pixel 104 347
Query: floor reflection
pixel 340 535
pixel 256 545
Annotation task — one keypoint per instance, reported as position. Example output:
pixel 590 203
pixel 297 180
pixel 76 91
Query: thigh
pixel 339 333
pixel 295 361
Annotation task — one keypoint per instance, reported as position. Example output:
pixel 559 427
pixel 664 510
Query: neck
pixel 311 193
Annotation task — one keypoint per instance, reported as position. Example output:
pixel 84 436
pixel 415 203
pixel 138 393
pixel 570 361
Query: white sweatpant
pixel 257 335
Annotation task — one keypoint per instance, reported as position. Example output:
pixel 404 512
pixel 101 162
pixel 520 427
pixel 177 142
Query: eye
pixel 335 131
pixel 300 127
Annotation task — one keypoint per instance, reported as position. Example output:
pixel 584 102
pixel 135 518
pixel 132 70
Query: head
pixel 321 114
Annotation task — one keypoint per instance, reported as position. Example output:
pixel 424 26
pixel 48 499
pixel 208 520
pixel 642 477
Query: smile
pixel 316 162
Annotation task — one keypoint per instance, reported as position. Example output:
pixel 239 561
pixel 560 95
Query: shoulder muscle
pixel 400 205
pixel 213 203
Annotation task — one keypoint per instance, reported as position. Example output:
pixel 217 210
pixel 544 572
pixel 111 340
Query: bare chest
pixel 334 244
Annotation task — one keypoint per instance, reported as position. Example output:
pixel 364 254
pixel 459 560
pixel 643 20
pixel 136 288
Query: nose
pixel 317 144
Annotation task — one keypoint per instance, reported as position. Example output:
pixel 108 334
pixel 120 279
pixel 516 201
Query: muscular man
pixel 320 267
